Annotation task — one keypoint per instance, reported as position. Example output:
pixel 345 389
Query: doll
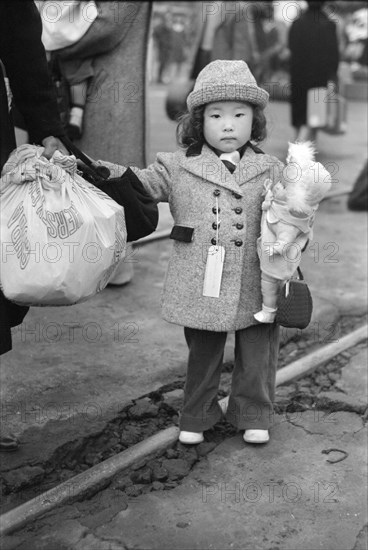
pixel 287 221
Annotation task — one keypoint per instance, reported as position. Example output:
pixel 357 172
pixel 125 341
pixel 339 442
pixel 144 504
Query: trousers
pixel 253 380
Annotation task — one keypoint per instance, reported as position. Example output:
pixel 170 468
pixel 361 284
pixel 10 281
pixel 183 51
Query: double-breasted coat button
pixel 238 243
pixel 239 225
pixel 215 210
pixel 238 210
pixel 216 192
pixel 214 225
pixel 213 241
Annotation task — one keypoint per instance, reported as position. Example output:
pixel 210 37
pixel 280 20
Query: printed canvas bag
pixel 61 237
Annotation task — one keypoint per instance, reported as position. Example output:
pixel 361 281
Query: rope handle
pixel 300 277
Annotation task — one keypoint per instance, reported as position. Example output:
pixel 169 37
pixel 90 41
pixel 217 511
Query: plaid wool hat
pixel 226 80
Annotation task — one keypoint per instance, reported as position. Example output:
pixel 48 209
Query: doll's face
pixel 279 191
pixel 227 125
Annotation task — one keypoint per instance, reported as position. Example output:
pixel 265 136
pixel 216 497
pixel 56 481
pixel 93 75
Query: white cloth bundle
pixel 61 237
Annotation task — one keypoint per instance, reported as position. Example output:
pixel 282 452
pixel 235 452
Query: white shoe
pixel 265 316
pixel 191 438
pixel 256 436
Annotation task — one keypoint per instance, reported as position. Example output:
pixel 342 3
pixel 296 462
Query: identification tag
pixel 213 273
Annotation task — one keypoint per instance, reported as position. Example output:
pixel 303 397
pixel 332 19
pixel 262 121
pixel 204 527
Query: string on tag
pixel 217 223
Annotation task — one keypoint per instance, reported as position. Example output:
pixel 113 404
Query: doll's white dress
pixel 279 225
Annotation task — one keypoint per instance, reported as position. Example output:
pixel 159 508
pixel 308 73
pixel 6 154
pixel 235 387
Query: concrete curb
pixel 97 475
pixel 308 363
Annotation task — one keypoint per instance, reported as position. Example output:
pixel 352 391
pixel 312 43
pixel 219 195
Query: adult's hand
pixel 51 145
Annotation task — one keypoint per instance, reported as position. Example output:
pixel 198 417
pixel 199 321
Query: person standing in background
pixel 115 111
pixel 179 46
pixel 64 23
pixel 231 32
pixel 162 36
pixel 227 32
pixel 23 61
pixel 270 42
pixel 314 61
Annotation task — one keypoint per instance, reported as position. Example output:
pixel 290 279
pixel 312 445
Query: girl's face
pixel 227 125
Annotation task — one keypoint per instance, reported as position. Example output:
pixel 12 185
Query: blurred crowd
pixel 254 31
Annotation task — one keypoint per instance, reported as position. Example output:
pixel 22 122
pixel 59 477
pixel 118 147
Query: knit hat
pixel 226 80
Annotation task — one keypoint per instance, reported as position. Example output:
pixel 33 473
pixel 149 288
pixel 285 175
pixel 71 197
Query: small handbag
pixel 294 304
pixel 316 107
pixel 141 211
pixel 336 118
pixel 327 110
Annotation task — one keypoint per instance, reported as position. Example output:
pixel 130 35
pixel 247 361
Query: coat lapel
pixel 251 166
pixel 209 167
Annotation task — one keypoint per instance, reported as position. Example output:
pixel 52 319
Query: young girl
pixel 214 187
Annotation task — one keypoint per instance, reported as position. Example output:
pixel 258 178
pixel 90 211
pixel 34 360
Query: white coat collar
pixel 208 166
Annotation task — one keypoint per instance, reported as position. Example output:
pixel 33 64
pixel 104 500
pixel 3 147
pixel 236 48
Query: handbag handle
pixel 97 172
pixel 300 274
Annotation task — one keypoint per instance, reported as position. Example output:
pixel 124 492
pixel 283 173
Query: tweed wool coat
pixel 194 186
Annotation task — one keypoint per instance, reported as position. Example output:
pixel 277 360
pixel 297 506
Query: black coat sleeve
pixel 332 50
pixel 141 212
pixel 24 59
